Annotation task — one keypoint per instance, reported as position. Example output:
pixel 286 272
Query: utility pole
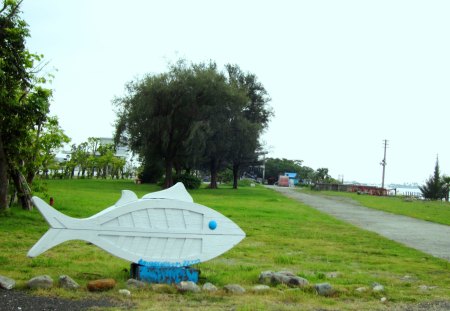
pixel 383 162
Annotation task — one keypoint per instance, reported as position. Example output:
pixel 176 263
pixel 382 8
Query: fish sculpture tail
pixel 57 233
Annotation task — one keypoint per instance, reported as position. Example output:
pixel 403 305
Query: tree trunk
pixel 30 176
pixel 168 182
pixel 31 171
pixel 446 193
pixel 213 170
pixel 3 179
pixel 177 168
pixel 13 198
pixel 23 190
pixel 235 175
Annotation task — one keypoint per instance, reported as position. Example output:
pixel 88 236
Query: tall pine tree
pixel 434 186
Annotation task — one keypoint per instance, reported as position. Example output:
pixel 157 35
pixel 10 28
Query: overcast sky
pixel 343 75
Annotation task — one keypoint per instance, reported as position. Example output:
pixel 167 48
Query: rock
pixel 361 289
pixel 426 288
pixel 125 292
pixel 42 281
pixel 234 289
pixel 409 278
pixel 265 276
pixel 7 283
pixel 282 277
pixel 324 289
pixel 377 287
pixel 188 286
pixel 209 287
pixel 67 282
pixel 333 275
pixel 383 299
pixel 260 288
pixel 133 283
pixel 101 285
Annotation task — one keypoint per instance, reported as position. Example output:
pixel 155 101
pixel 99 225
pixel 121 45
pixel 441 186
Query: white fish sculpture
pixel 162 228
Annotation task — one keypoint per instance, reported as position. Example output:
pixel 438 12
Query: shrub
pixel 189 181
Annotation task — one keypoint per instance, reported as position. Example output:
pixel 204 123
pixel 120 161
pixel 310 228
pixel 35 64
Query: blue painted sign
pixel 161 274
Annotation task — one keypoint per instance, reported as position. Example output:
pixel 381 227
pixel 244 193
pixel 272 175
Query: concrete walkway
pixel 428 237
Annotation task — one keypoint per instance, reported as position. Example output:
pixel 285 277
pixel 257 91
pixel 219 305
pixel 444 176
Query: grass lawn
pixel 282 234
pixel 434 211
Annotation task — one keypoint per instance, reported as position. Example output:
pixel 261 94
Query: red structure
pixel 371 190
pixel 283 181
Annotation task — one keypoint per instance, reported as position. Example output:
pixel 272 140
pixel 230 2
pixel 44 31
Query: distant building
pixel 292 178
pixel 121 151
pixel 283 181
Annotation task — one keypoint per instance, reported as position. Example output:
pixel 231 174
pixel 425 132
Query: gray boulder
pixel 133 283
pixel 209 287
pixel 67 282
pixel 332 275
pixel 282 277
pixel 260 288
pixel 234 289
pixel 7 283
pixel 324 289
pixel 42 281
pixel 377 287
pixel 188 286
pixel 125 292
pixel 361 289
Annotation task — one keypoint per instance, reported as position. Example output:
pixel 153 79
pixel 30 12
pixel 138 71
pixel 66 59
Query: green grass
pixel 282 234
pixel 434 211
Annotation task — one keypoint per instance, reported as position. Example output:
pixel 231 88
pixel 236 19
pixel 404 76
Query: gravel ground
pixel 426 306
pixel 21 301
pixel 425 236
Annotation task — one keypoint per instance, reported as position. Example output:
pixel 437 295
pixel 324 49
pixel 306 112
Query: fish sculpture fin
pixel 127 197
pixel 176 192
pixel 50 239
pixel 54 218
pixel 56 234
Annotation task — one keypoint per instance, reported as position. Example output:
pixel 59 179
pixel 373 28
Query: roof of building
pixel 290 175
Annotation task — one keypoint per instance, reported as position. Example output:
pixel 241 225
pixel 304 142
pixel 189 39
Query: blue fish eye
pixel 212 225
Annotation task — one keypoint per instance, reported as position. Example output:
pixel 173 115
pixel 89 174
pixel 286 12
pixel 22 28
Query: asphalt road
pixel 428 237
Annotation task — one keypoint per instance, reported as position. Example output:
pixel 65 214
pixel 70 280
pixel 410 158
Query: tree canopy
pixel 193 116
pixel 24 108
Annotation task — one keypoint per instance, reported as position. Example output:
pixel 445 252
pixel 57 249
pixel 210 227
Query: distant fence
pixel 415 195
pixel 371 190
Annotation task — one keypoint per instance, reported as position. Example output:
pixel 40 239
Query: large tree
pixel 193 116
pixel 159 116
pixel 220 107
pixel 251 117
pixel 23 104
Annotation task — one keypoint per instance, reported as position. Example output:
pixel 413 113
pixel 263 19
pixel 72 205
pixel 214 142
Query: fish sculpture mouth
pixel 161 228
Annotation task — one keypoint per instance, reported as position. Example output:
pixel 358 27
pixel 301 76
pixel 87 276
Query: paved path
pixel 426 236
